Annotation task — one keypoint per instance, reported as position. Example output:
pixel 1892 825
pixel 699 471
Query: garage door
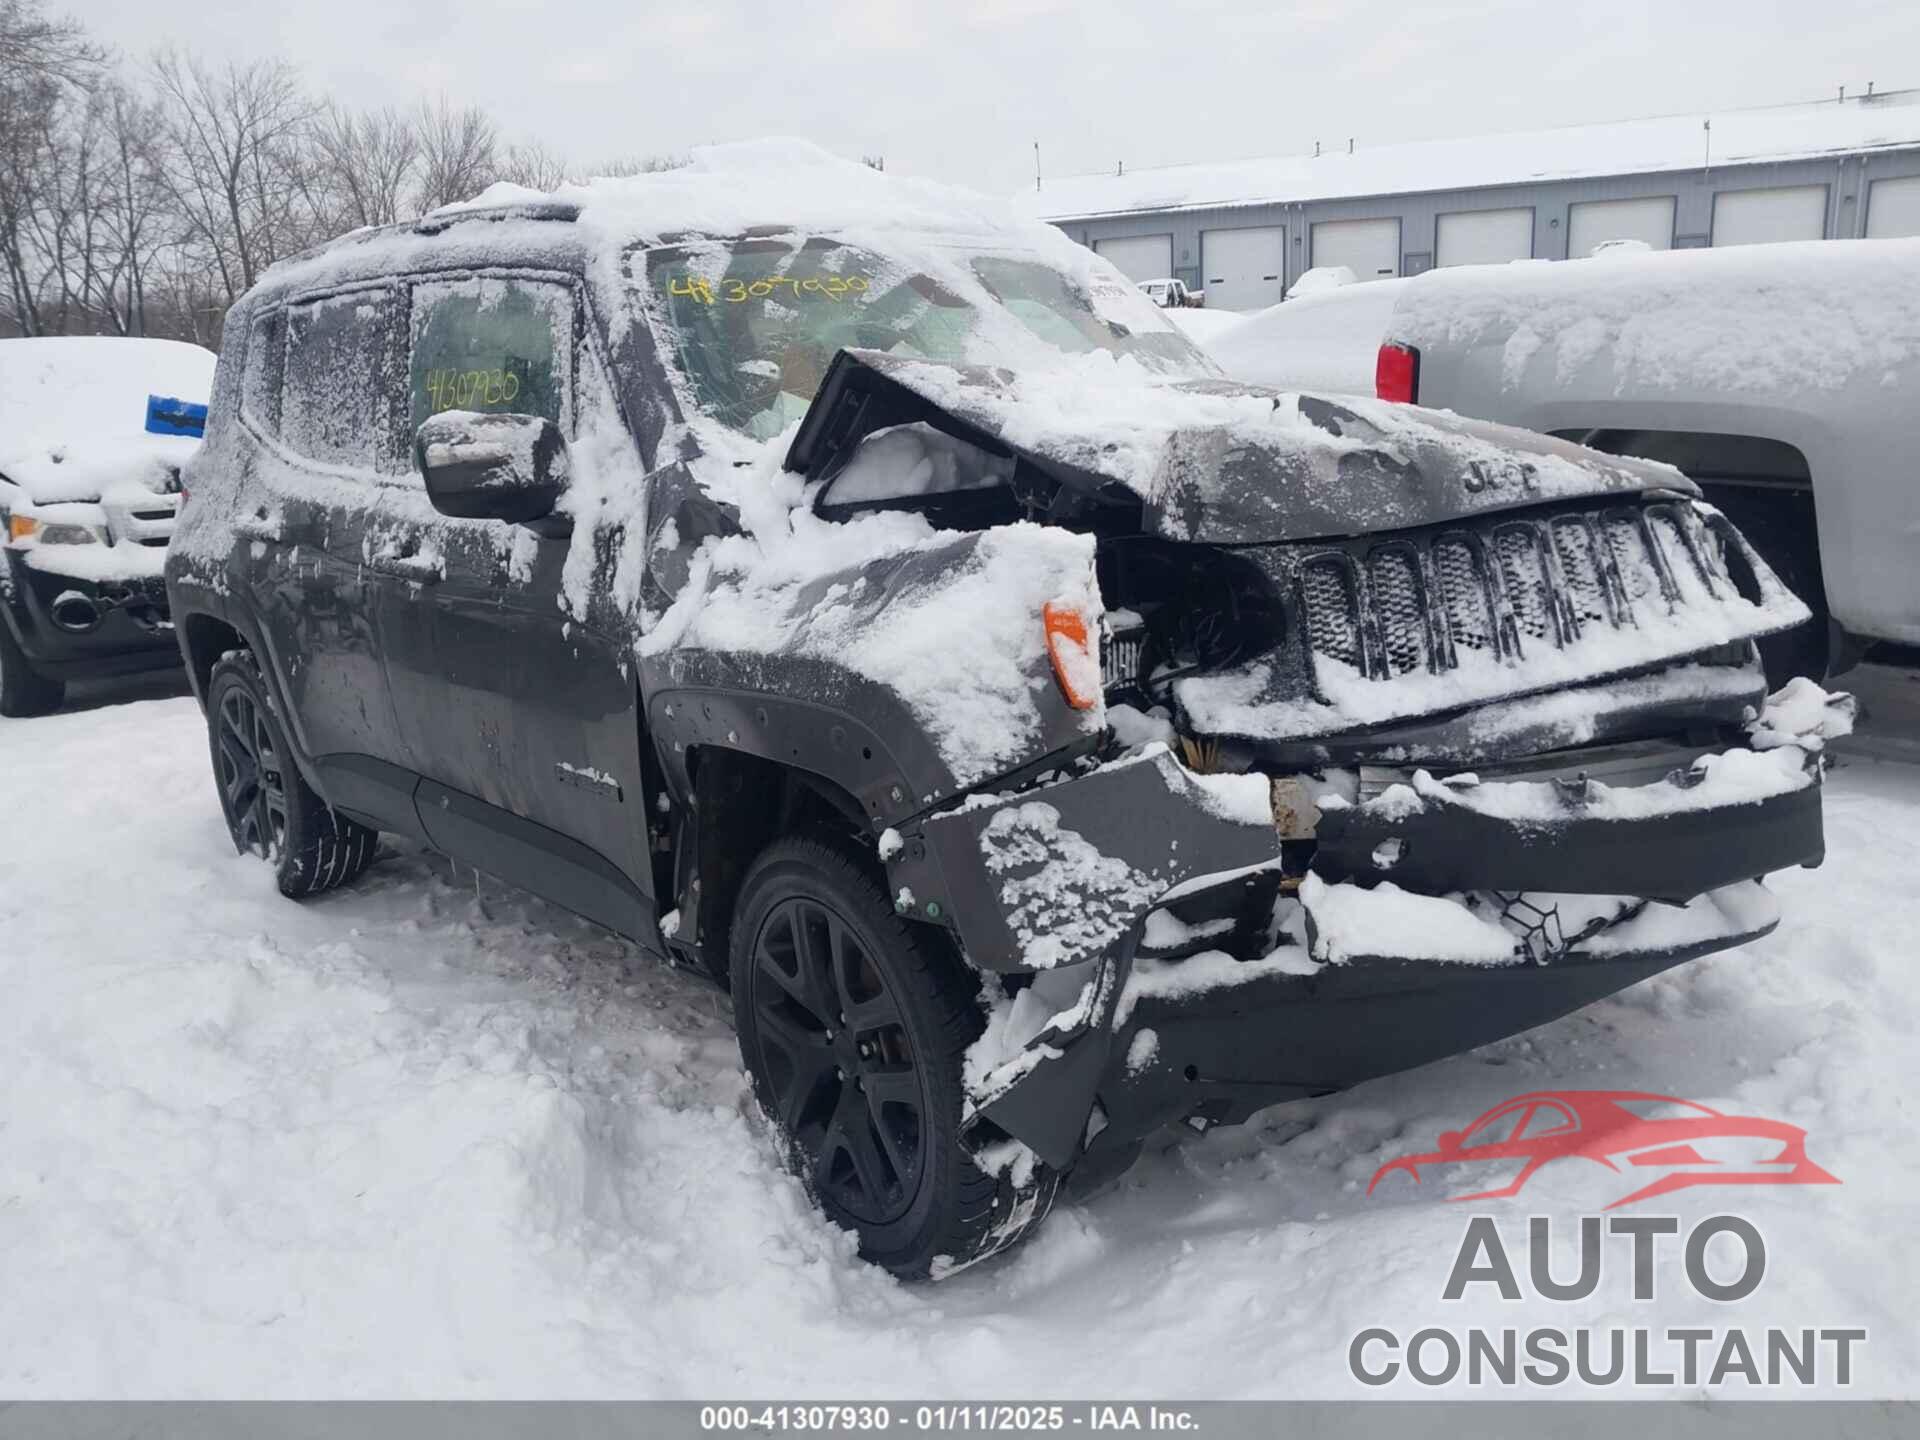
pixel 1594 222
pixel 1755 217
pixel 1893 208
pixel 1139 257
pixel 1371 248
pixel 1484 237
pixel 1244 269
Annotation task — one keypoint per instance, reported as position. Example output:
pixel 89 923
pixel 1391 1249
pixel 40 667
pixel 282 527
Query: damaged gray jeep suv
pixel 870 601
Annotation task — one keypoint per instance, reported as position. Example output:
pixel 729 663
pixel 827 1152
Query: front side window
pixel 335 402
pixel 753 324
pixel 498 346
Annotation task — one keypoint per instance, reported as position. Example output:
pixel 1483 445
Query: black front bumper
pixel 1252 1023
pixel 132 632
pixel 1671 857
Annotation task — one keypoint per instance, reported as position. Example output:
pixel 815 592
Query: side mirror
pixel 492 467
pixel 1449 1141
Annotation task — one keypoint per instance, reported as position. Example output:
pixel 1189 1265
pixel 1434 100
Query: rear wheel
pixel 24 691
pixel 270 809
pixel 853 1026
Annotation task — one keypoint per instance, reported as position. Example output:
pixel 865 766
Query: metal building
pixel 1243 231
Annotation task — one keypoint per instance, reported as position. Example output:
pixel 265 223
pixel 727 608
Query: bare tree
pixel 534 166
pixel 371 158
pixel 135 207
pixel 34 47
pixel 458 156
pixel 146 203
pixel 44 65
pixel 234 161
pixel 624 166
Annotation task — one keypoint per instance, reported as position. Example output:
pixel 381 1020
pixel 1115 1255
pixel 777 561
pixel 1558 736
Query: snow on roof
pixel 727 189
pixel 1624 147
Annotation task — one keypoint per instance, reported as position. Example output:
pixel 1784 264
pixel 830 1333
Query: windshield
pixel 754 323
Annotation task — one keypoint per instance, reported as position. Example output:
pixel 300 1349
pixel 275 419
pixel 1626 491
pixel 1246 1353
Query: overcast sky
pixel 960 91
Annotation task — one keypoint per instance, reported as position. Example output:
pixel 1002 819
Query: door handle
pixel 257 527
pixel 419 569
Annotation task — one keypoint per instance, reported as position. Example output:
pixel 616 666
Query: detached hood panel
pixel 1213 460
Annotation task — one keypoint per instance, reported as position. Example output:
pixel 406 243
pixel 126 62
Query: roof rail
pixel 436 221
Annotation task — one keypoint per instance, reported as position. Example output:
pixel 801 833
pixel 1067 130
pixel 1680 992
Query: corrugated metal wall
pixel 1846 179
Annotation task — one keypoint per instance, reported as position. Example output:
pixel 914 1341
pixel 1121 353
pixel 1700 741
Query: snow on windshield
pixel 754 323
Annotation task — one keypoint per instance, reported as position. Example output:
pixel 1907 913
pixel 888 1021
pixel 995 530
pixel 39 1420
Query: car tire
pixel 24 692
pixel 269 808
pixel 869 1109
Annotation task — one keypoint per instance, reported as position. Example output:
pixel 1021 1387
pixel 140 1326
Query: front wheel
pixel 269 808
pixel 853 1026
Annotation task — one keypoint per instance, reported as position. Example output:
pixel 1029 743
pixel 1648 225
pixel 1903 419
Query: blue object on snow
pixel 168 416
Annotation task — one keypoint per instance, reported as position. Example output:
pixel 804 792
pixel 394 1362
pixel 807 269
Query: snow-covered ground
pixel 433 1137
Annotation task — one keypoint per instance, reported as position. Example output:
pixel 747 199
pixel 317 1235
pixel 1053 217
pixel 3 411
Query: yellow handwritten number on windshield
pixel 830 287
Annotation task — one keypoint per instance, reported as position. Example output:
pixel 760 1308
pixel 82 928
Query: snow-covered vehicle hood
pixel 1219 461
pixel 98 469
pixel 73 414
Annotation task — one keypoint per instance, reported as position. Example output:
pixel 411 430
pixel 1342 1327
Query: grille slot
pixel 1464 582
pixel 1683 561
pixel 1523 573
pixel 1628 544
pixel 1400 604
pixel 1333 616
pixel 1586 592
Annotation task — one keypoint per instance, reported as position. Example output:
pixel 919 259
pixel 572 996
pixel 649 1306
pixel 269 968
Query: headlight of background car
pixel 24 531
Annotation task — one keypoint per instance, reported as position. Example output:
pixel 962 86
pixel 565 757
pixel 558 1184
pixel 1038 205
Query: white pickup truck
pixel 1785 379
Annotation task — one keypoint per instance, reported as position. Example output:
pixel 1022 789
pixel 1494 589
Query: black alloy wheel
pixel 253 791
pixel 839 1061
pixel 854 1029
pixel 269 808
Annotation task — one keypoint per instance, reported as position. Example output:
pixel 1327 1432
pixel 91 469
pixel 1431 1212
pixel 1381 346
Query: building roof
pixel 1624 147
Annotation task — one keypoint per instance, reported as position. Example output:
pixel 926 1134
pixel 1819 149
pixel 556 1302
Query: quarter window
pixel 499 346
pixel 266 356
pixel 336 405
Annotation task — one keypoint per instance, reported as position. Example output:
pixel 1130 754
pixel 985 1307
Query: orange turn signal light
pixel 1076 664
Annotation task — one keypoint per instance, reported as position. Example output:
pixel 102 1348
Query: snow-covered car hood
pixel 73 414
pixel 1216 460
pixel 97 468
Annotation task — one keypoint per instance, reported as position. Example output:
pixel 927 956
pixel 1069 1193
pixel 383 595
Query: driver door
pixel 523 721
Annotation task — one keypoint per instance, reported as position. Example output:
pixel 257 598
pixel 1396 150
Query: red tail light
pixel 1396 374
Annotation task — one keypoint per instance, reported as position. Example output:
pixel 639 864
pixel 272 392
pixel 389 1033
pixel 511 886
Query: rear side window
pixel 260 382
pixel 499 346
pixel 336 404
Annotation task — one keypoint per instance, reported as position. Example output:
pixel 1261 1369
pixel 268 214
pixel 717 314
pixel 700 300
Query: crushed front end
pixel 1420 733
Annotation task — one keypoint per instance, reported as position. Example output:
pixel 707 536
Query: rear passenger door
pixel 522 719
pixel 322 373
